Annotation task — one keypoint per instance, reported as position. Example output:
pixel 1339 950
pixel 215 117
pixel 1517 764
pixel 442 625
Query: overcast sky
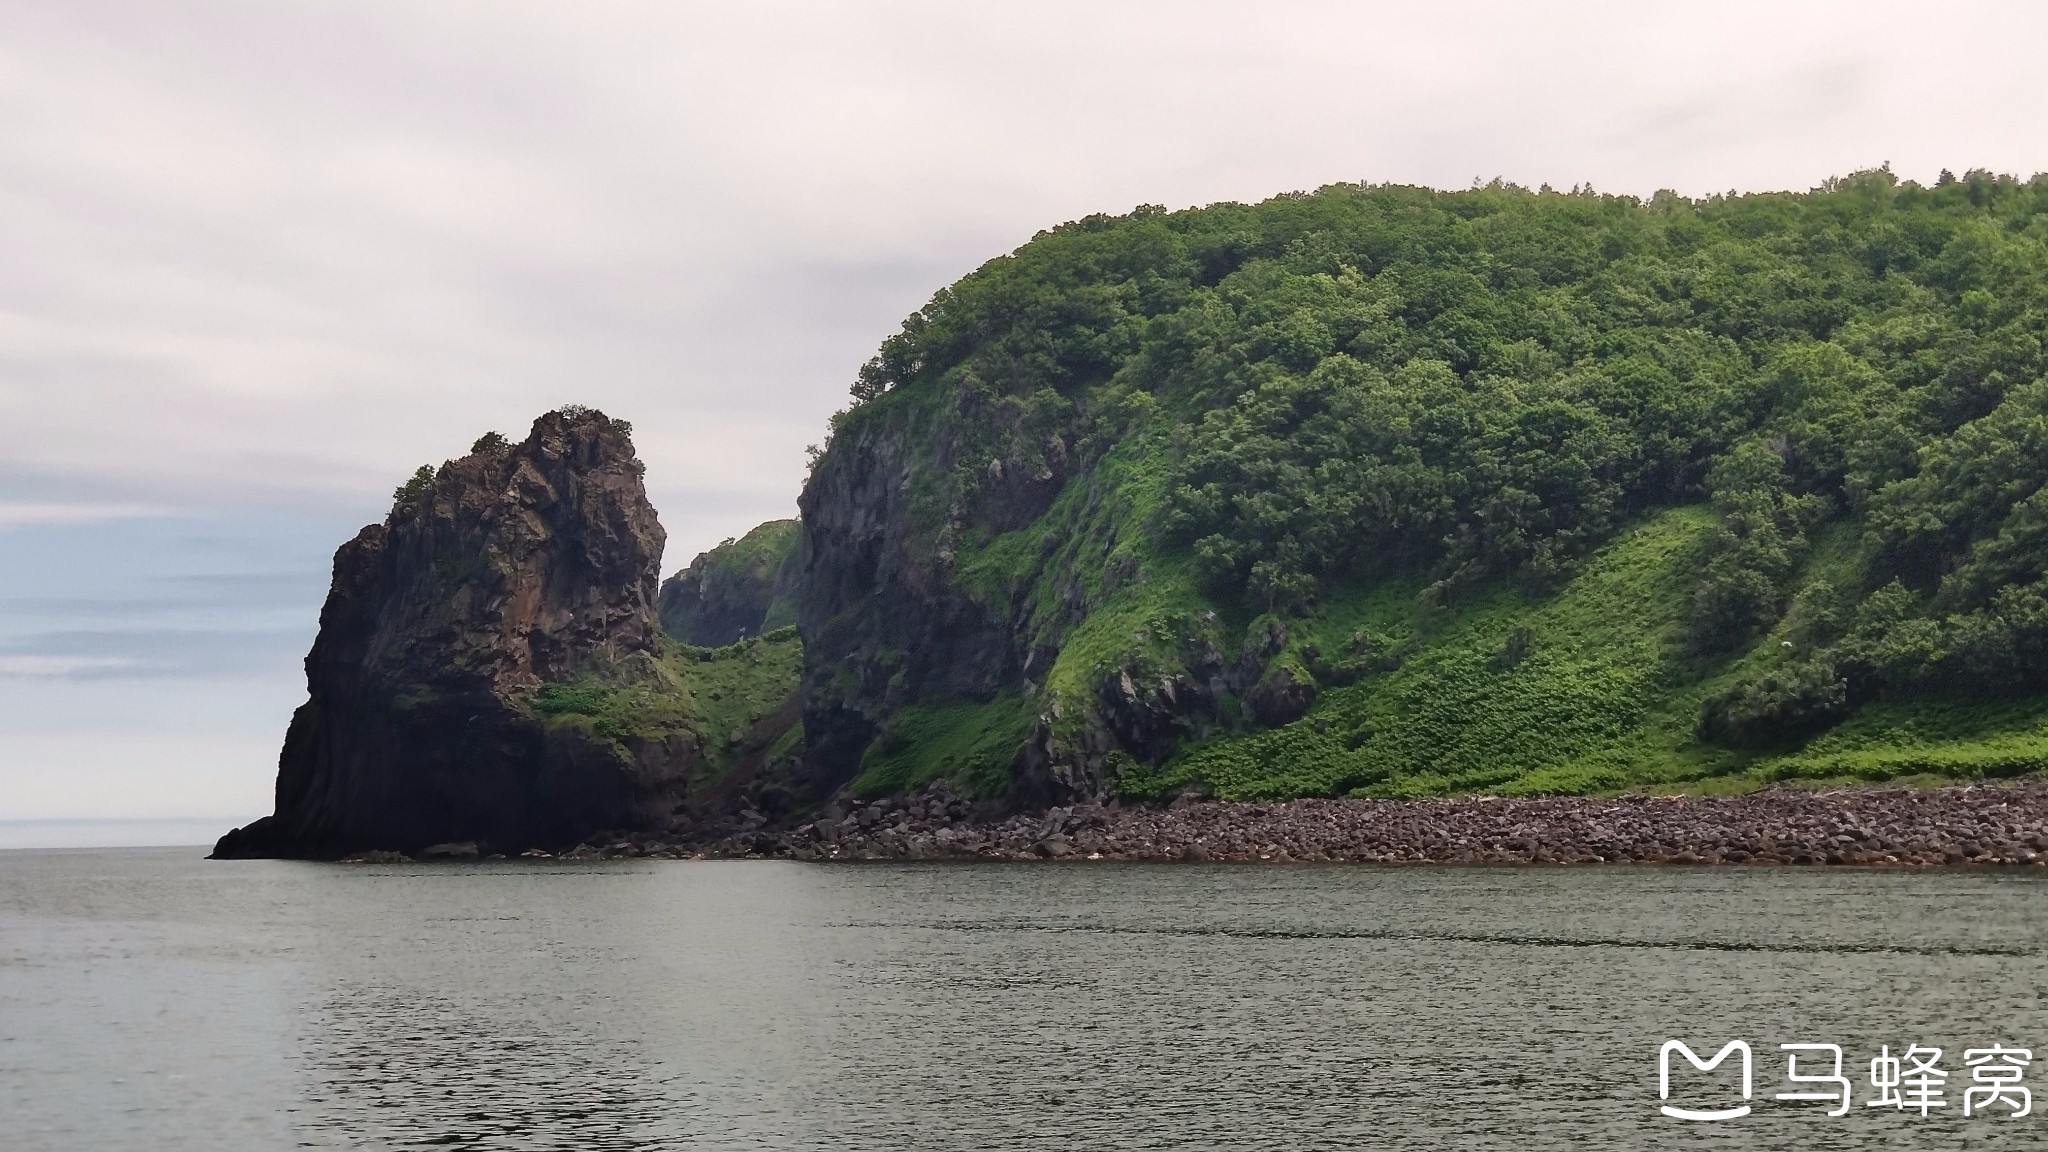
pixel 260 260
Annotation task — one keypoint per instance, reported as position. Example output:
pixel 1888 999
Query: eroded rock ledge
pixel 1877 826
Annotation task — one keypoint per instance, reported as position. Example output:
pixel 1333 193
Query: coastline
pixel 1966 824
pixel 1978 825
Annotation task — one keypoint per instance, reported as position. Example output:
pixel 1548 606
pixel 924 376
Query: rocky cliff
pixel 741 588
pixel 887 624
pixel 516 567
pixel 976 623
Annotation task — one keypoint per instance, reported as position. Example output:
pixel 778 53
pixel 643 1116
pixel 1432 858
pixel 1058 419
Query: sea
pixel 152 999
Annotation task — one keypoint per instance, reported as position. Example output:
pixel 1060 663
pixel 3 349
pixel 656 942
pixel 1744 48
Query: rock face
pixel 883 623
pixel 741 588
pixel 510 568
pixel 891 617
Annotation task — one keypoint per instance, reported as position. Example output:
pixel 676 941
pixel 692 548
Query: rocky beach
pixel 1975 824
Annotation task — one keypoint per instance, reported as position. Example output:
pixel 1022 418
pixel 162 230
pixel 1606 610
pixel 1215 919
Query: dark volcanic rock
pixel 1281 698
pixel 882 621
pixel 741 588
pixel 509 568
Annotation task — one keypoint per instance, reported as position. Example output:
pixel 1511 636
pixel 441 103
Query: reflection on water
pixel 403 1069
pixel 150 999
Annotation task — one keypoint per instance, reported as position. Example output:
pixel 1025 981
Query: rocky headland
pixel 1368 492
pixel 515 567
pixel 492 679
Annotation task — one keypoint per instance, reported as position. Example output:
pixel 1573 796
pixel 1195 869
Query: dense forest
pixel 1294 461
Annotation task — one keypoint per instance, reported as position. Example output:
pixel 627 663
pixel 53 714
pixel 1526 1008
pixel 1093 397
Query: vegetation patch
pixel 968 744
pixel 1952 738
pixel 715 696
pixel 1569 692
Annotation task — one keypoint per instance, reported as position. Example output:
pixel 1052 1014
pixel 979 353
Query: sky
pixel 258 261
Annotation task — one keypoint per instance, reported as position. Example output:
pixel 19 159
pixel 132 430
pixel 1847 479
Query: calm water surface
pixel 150 999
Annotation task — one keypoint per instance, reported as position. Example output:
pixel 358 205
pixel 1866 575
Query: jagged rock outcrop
pixel 510 568
pixel 741 588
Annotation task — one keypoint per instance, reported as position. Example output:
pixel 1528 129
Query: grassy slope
pixel 730 696
pixel 970 744
pixel 1946 739
pixel 1589 689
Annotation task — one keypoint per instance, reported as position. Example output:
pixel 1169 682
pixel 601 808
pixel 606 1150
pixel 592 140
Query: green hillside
pixel 1390 490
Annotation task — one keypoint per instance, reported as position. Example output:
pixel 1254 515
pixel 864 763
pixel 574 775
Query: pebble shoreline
pixel 1974 824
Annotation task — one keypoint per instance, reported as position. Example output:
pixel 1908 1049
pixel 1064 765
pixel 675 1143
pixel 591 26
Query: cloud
pixel 39 667
pixel 213 653
pixel 14 513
